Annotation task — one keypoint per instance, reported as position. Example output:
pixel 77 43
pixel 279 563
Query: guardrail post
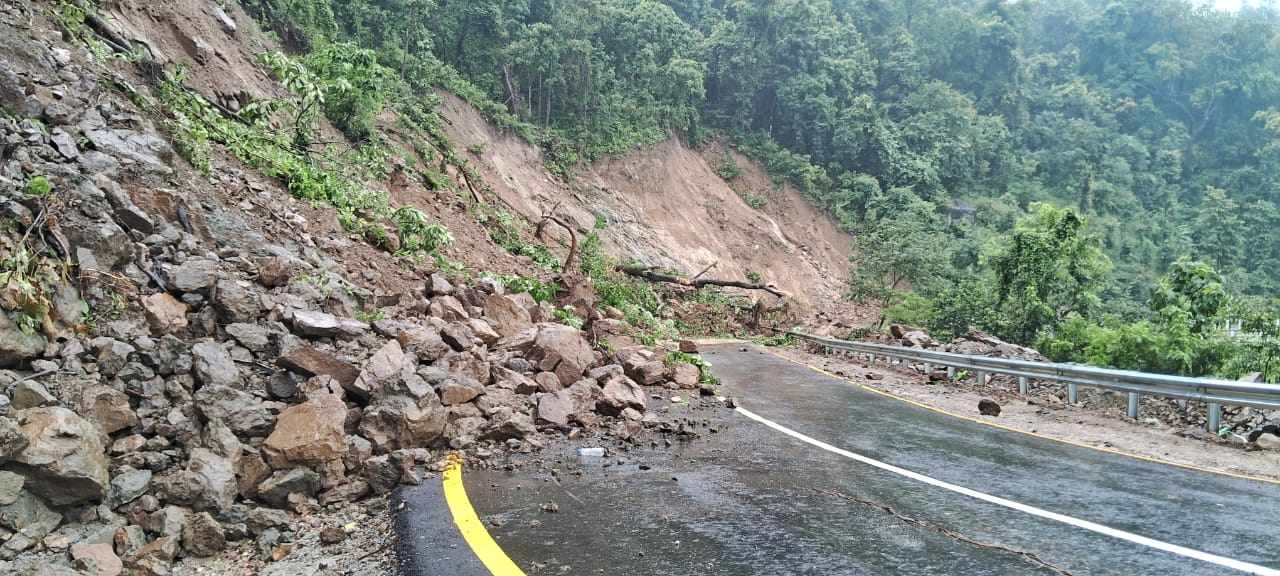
pixel 1133 405
pixel 980 376
pixel 951 373
pixel 1023 386
pixel 1072 393
pixel 1215 417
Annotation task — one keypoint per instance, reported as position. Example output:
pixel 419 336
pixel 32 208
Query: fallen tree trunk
pixel 652 275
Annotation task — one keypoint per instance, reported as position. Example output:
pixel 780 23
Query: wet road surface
pixel 749 500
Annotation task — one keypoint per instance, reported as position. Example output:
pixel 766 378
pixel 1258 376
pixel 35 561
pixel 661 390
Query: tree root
pixel 651 274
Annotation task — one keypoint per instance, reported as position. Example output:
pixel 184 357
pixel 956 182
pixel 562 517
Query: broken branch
pixel 650 274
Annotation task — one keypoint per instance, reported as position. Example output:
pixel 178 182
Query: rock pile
pixel 193 383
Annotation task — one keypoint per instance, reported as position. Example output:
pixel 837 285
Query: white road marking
pixel 1032 510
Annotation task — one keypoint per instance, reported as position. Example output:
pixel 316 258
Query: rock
pixel 128 485
pixel 165 314
pixel 439 285
pixel 649 373
pixel 241 411
pixel 448 308
pixel 310 361
pixel 685 375
pixel 548 382
pixel 154 558
pixel 109 409
pixel 252 336
pixel 213 366
pixel 203 536
pixel 425 343
pixel 167 521
pixel 260 519
pixel 988 407
pixel 276 489
pixel 194 275
pixel 569 404
pixel 482 329
pixel 459 390
pixel 207 483
pixel 64 460
pixel 315 323
pixel 560 349
pixel 512 380
pixel 688 346
pixel 457 335
pixel 12 440
pixel 96 559
pixel 399 422
pixel 10 487
pixel 919 339
pixel 381 474
pixel 274 272
pixel 228 25
pixel 308 433
pixel 31 394
pixel 383 368
pixel 510 425
pixel 507 315
pixel 16 346
pixel 620 394
pixel 29 516
pixel 330 535
pixel 235 303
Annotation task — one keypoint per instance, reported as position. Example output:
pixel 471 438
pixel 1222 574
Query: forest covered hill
pixel 1043 170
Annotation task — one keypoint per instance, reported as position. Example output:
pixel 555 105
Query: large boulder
pixel 309 361
pixel 423 342
pixel 507 315
pixel 213 365
pixel 17 347
pixel 108 408
pixel 276 489
pixel 382 370
pixel 308 433
pixel 207 483
pixel 569 405
pixel 243 412
pixel 554 348
pixel 397 422
pixel 64 460
pixel 620 394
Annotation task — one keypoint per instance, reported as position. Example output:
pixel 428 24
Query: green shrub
pixel 417 234
pixel 38 187
pixel 704 368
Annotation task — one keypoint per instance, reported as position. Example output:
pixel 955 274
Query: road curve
pixel 827 478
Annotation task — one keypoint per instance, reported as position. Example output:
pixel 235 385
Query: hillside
pixel 228 330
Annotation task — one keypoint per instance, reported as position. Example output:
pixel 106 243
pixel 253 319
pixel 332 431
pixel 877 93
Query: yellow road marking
pixel 888 394
pixel 469 524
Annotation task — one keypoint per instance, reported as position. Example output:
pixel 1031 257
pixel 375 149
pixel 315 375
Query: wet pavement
pixel 747 500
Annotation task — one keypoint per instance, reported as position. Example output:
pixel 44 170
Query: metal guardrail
pixel 1213 392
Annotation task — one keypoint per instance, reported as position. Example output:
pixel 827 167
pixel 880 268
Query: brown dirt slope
pixel 666 206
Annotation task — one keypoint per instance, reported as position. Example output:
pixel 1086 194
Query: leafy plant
pixel 417 234
pixel 568 317
pixel 38 187
pixel 705 376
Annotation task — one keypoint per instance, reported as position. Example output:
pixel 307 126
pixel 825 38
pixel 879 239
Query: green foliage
pixel 636 299
pixel 1048 269
pixel 417 234
pixel 752 200
pixel 904 250
pixel 353 86
pixel 754 277
pixel 507 231
pixel 728 167
pixel 38 187
pixel 541 291
pixel 568 317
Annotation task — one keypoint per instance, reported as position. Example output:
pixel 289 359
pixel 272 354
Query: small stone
pixel 194 275
pixel 988 407
pixel 213 365
pixel 31 394
pixel 330 535
pixel 165 314
pixel 315 323
pixel 309 361
pixel 273 272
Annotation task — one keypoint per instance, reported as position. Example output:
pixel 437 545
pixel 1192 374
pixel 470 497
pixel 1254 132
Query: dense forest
pixel 1095 177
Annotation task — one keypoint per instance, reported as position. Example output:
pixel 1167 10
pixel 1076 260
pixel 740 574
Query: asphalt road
pixel 748 499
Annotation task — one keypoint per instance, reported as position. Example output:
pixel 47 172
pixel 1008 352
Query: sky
pixel 1233 5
